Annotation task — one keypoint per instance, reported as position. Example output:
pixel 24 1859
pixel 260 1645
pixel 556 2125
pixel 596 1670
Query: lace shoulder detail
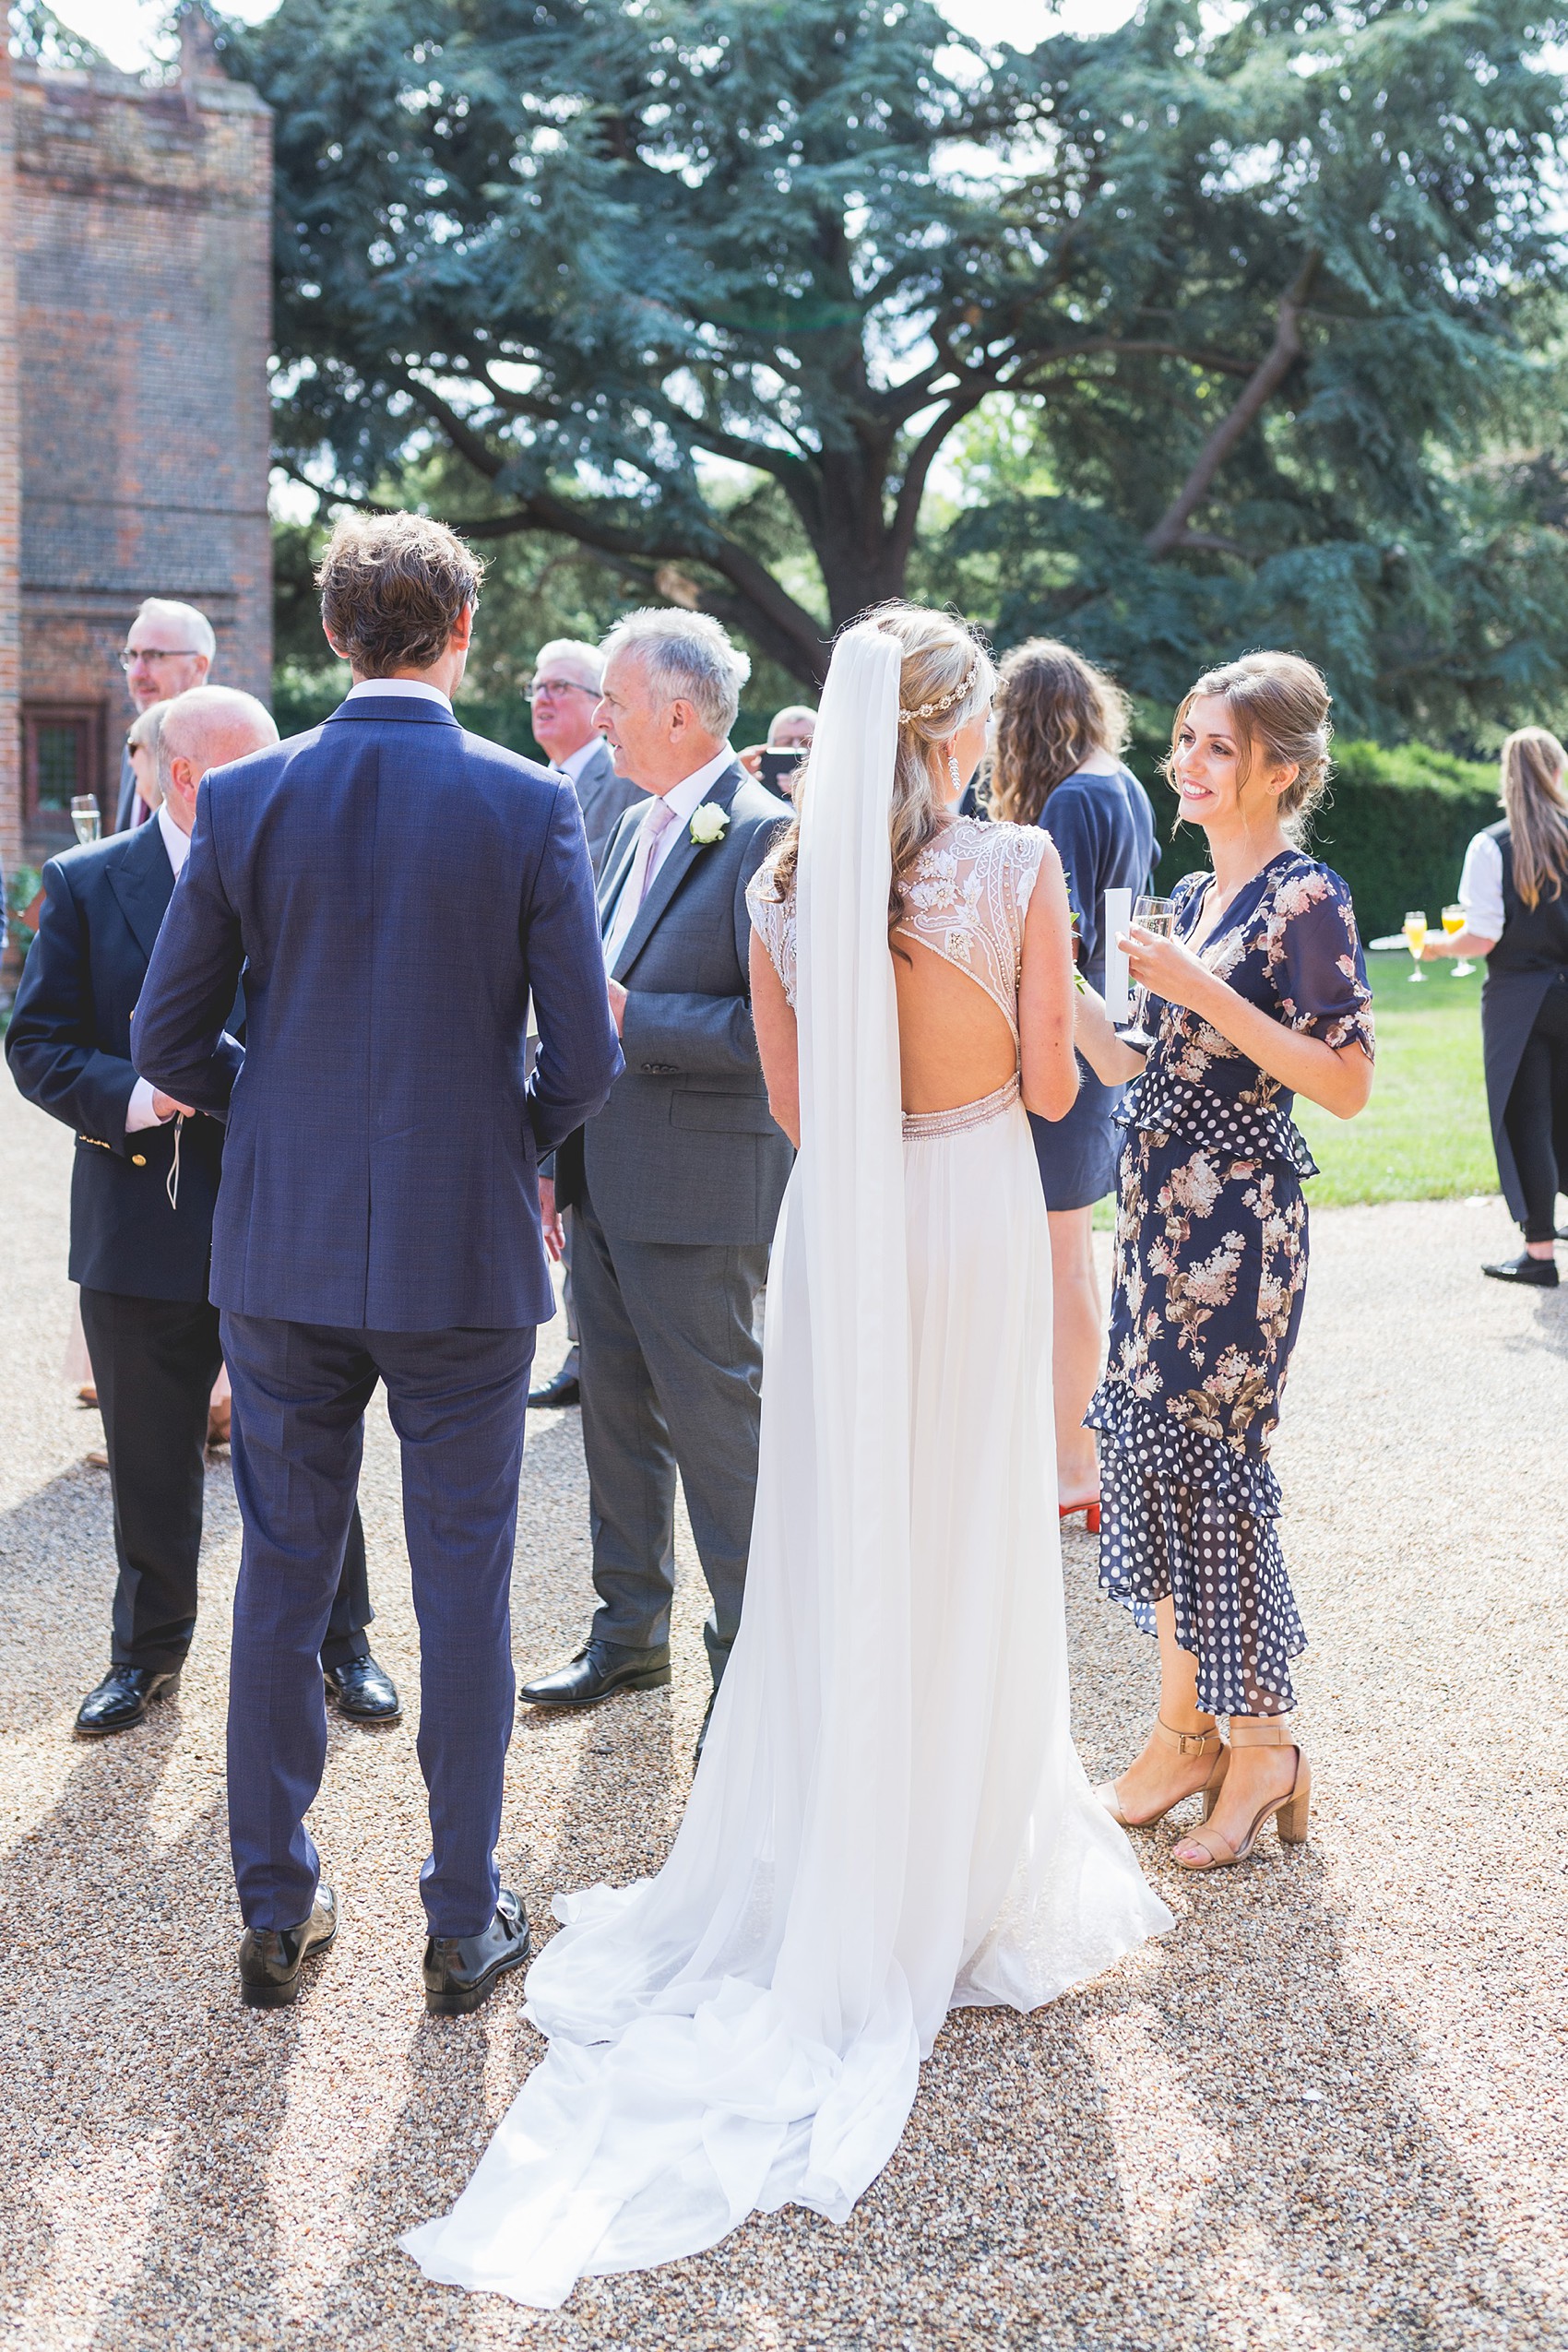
pixel 773 920
pixel 967 900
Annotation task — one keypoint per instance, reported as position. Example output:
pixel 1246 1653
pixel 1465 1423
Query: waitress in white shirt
pixel 1516 915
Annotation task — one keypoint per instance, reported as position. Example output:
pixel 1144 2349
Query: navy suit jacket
pixel 69 1048
pixel 393 888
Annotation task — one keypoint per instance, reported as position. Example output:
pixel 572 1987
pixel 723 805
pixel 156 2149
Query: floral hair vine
pixel 934 710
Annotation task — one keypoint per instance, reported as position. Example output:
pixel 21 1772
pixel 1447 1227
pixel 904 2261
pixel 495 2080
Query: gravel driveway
pixel 1330 2109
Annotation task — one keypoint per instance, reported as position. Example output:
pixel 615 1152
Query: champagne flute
pixel 1454 924
pixel 1415 930
pixel 1158 915
pixel 87 817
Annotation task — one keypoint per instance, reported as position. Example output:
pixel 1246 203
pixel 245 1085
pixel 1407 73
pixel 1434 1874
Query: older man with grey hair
pixel 169 649
pixel 568 678
pixel 675 1185
pixel 142 1195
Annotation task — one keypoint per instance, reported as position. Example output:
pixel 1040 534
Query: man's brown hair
pixel 393 589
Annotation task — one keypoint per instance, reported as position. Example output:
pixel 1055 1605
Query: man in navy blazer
pixel 395 890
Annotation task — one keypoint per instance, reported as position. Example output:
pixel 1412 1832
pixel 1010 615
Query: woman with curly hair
pixel 1260 995
pixel 1060 728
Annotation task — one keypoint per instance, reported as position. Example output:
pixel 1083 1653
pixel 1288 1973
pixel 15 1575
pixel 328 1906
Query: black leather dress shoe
pixel 271 1958
pixel 599 1671
pixel 462 1970
pixel 564 1389
pixel 363 1691
pixel 1541 1273
pixel 123 1698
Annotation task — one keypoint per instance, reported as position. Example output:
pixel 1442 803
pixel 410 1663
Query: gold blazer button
pixel 139 1159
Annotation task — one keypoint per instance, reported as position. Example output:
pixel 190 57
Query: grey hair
pixel 166 608
pixel 574 650
pixel 205 725
pixel 688 658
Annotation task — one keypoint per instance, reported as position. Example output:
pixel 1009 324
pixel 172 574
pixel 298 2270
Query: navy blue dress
pixel 1210 1273
pixel 1103 828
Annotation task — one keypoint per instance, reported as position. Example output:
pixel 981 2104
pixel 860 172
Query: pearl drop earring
pixel 953 770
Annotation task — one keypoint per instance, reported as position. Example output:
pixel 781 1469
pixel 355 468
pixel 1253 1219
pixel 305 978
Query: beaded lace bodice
pixel 965 902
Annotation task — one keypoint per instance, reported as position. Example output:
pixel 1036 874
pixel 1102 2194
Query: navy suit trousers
pixel 456 1399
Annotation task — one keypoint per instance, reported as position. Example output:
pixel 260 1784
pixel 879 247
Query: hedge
pixel 1396 824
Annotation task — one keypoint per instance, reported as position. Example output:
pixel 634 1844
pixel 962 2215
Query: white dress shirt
pixel 682 801
pixel 574 762
pixel 1481 888
pixel 398 686
pixel 139 1112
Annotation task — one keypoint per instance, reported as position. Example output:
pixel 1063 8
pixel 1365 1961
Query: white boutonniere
pixel 710 824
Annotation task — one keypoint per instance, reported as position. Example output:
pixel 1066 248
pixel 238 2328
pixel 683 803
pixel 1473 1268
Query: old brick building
pixel 134 319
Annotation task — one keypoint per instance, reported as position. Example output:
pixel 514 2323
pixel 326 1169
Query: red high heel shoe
pixel 1089 1510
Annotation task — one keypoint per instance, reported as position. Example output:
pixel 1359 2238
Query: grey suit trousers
pixel 671 1375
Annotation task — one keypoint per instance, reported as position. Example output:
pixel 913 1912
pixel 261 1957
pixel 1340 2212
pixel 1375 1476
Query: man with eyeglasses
pixel 568 678
pixel 169 648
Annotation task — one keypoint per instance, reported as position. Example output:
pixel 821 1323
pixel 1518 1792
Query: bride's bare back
pixel 982 965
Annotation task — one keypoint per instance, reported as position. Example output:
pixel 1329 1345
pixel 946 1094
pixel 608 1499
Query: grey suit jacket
pixel 604 798
pixel 687 1148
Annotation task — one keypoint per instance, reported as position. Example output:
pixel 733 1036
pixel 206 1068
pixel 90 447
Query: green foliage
pixel 704 288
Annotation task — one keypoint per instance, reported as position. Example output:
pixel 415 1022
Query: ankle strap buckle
pixel 1189 1744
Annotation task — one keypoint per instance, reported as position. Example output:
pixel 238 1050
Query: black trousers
pixel 1538 1102
pixel 154 1362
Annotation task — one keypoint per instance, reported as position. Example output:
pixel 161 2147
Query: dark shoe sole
pixel 1522 1281
pixel 543 1404
pixel 462 2005
pixel 285 1996
pixel 366 1722
pixel 112 1730
pixel 656 1677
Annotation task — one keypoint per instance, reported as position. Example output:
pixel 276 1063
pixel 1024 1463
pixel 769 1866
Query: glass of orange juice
pixel 1415 930
pixel 1454 924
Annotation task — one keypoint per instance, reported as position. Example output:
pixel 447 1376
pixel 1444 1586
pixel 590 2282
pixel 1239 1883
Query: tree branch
pixel 1170 531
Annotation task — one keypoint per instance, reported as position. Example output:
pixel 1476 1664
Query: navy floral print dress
pixel 1210 1273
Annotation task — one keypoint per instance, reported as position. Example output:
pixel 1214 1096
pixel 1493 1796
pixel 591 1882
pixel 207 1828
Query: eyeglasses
pixel 155 653
pixel 560 687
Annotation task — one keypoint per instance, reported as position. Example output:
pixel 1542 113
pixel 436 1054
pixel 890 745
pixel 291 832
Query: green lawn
pixel 1424 1134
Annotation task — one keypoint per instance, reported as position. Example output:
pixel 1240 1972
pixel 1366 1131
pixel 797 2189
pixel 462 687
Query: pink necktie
pixel 656 825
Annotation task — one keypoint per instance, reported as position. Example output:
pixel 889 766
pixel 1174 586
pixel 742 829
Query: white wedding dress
pixel 890 1818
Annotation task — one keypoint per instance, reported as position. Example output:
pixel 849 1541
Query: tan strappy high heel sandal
pixel 1294 1808
pixel 1186 1743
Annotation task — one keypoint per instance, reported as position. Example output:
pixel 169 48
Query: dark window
pixel 60 750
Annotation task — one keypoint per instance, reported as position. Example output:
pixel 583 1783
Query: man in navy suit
pixel 394 889
pixel 142 1194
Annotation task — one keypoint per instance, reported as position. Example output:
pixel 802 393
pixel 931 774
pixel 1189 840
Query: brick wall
pixel 141 227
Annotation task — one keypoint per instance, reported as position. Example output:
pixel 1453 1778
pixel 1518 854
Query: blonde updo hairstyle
pixel 1279 705
pixel 945 679
pixel 1054 710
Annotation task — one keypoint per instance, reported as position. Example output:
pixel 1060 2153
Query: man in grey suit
pixel 675 1186
pixel 568 678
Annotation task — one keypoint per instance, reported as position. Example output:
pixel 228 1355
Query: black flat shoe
pixel 123 1698
pixel 271 1958
pixel 1541 1273
pixel 462 1970
pixel 564 1389
pixel 363 1691
pixel 599 1671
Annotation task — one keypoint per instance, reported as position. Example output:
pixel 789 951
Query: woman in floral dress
pixel 1261 995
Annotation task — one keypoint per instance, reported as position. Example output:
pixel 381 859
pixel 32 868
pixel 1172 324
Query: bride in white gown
pixel 889 1819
